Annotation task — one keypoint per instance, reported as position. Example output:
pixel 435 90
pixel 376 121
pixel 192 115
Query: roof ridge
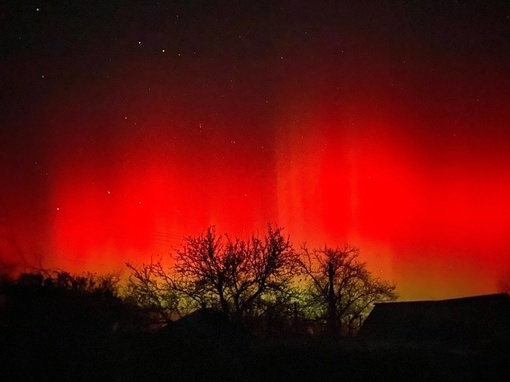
pixel 464 298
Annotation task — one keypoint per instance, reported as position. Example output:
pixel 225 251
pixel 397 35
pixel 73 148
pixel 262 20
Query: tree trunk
pixel 331 320
pixel 223 302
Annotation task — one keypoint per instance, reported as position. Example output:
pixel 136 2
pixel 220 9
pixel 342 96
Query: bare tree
pixel 340 287
pixel 153 288
pixel 240 277
pixel 243 278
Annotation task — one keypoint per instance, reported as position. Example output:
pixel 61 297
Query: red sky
pixel 384 127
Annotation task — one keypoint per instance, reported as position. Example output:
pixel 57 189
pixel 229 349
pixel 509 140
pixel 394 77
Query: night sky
pixel 126 125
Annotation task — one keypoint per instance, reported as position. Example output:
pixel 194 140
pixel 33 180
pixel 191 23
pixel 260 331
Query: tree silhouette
pixel 340 288
pixel 242 278
pixel 154 289
pixel 239 276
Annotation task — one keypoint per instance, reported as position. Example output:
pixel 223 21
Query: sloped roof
pixel 208 325
pixel 467 318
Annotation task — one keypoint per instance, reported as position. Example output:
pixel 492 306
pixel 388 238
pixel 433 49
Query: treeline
pixel 59 326
pixel 219 308
pixel 263 282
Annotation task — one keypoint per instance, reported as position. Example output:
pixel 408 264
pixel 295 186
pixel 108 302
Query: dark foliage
pixel 61 326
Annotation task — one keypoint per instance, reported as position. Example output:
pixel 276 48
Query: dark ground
pixel 50 334
pixel 32 356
